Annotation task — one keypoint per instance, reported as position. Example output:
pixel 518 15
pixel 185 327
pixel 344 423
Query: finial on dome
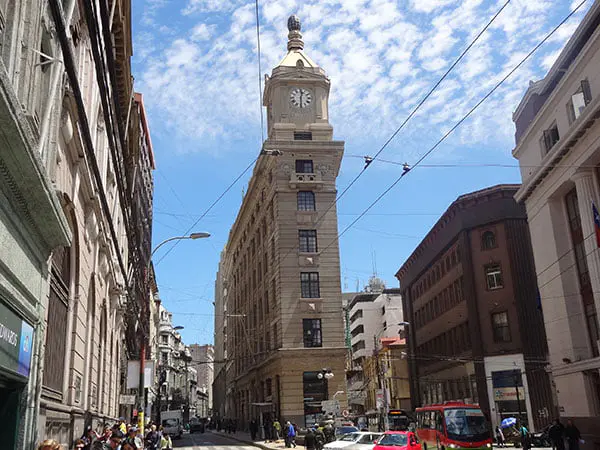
pixel 294 36
pixel 294 23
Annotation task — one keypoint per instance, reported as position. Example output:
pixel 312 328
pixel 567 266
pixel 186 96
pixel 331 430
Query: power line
pixel 262 120
pixel 213 204
pixel 457 124
pixel 410 116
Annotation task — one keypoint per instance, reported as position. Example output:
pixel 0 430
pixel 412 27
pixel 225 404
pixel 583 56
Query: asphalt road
pixel 209 441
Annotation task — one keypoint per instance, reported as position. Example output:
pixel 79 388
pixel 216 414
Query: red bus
pixel 453 425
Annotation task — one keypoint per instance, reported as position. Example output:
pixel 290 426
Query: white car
pixel 360 440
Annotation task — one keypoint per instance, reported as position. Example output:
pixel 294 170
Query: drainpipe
pixel 57 73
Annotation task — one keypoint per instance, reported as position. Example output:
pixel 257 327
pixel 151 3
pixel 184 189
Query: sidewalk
pixel 242 436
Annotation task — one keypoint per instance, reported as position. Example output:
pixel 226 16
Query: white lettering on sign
pixel 8 335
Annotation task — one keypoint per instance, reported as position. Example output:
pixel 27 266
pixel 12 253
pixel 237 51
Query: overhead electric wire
pixel 459 123
pixel 412 113
pixel 213 204
pixel 262 120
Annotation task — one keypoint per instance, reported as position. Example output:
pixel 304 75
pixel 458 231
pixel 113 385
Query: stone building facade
pixel 558 148
pixel 469 293
pixel 280 269
pixel 67 175
pixel 203 357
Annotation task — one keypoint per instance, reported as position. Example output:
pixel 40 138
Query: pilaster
pixel 587 193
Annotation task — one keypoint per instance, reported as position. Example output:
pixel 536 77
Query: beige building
pixel 558 148
pixel 280 274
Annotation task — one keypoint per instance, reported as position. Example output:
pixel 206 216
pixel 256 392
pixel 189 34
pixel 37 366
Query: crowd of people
pixel 120 436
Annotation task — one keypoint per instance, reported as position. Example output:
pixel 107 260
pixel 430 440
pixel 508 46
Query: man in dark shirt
pixel 556 434
pixel 309 440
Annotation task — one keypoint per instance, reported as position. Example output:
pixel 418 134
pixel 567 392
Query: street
pixel 209 441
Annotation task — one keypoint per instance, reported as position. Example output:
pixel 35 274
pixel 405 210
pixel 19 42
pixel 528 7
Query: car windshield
pixel 393 440
pixel 345 430
pixel 466 424
pixel 349 437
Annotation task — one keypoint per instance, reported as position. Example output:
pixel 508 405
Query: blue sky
pixel 195 61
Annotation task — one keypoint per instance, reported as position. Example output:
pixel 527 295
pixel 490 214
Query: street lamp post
pixel 380 374
pixel 141 389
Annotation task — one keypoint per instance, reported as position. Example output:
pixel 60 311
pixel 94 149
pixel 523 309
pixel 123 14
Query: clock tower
pixel 284 332
pixel 297 93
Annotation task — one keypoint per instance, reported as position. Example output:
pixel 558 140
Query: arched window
pixel 488 240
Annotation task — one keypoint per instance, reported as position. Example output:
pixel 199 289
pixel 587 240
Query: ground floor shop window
pixel 315 391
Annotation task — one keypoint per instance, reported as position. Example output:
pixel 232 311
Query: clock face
pixel 300 97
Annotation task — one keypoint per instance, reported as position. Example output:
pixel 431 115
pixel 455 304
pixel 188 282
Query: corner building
pixel 281 272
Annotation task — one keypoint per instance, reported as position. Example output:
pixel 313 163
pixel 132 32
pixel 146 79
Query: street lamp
pixel 325 373
pixel 382 382
pixel 141 396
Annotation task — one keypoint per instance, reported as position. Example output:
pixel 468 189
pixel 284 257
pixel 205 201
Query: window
pixel 500 327
pixel 165 359
pixel 165 339
pixel 304 166
pixel 312 332
pixel 488 240
pixel 302 135
pixel 550 137
pixel 309 284
pixel 579 100
pixel 306 201
pixel 493 274
pixel 308 241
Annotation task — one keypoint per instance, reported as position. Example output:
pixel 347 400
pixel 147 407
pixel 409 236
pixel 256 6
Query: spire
pixel 294 37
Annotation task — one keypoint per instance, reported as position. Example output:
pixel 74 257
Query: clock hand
pixel 300 98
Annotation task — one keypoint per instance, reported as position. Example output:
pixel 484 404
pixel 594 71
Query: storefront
pixel 509 395
pixel 16 342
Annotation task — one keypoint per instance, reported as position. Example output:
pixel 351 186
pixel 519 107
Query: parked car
pixel 349 439
pixel 196 425
pixel 395 440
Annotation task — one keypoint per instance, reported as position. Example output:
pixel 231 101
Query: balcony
pixel 305 180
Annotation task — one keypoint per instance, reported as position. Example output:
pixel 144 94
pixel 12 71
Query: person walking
pixel 573 435
pixel 556 433
pixel 525 441
pixel 499 436
pixel 277 429
pixel 152 439
pixel 309 439
pixel 165 442
pixel 292 434
pixel 319 439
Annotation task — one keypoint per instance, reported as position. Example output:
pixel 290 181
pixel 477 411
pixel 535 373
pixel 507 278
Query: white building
pixel 373 315
pixel 558 148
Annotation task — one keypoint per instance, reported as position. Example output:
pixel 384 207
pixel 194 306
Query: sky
pixel 196 63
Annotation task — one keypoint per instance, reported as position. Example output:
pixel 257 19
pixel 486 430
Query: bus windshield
pixel 464 424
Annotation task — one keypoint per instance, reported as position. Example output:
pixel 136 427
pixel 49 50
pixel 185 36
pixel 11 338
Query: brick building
pixel 470 295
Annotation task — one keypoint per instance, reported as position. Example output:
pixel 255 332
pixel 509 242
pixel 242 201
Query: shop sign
pixel 508 393
pixel 127 399
pixel 16 341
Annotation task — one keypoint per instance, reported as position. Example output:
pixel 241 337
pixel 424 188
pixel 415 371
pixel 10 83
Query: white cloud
pixel 202 32
pixel 381 59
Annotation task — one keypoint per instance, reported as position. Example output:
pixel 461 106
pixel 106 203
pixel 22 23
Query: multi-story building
pixel 285 335
pixel 470 295
pixel 557 133
pixel 66 215
pixel 373 315
pixel 220 349
pixel 203 357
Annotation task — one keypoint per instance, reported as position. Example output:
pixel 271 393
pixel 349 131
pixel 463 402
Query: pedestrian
pixel 525 441
pixel 499 436
pixel 253 429
pixel 309 439
pixel 277 429
pixel 291 433
pixel 573 435
pixel 556 433
pixel 133 438
pixel 152 439
pixel 49 444
pixel 319 439
pixel 165 442
pixel 115 439
pixel 79 444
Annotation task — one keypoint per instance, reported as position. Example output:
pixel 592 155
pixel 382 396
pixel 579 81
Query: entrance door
pixel 10 399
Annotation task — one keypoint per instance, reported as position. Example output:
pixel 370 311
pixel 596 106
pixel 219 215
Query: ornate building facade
pixel 280 274
pixel 76 161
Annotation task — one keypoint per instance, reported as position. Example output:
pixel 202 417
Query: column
pixel 586 194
